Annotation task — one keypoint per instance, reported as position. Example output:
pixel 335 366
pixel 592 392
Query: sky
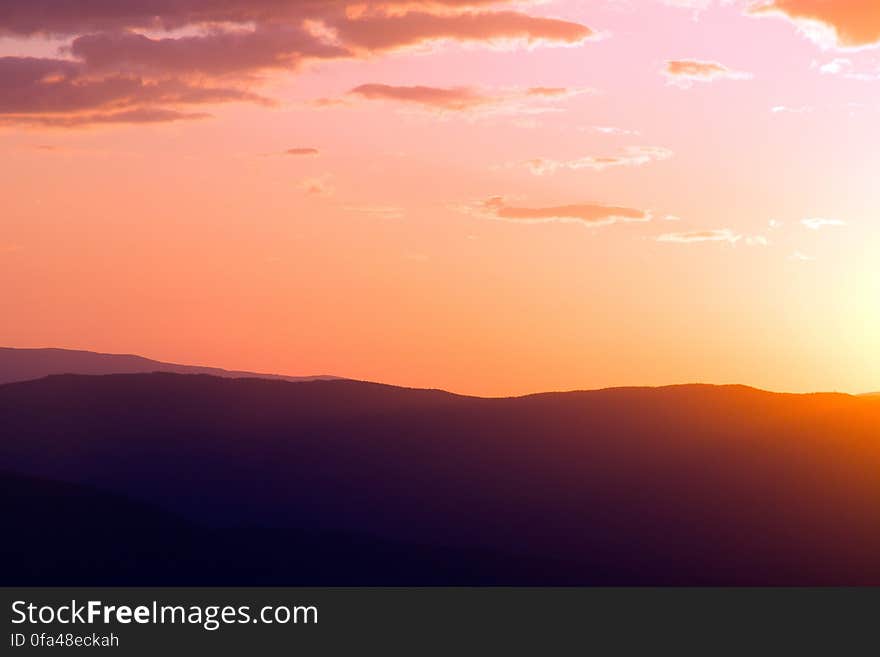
pixel 487 196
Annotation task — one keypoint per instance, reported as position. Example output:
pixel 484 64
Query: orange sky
pixel 485 196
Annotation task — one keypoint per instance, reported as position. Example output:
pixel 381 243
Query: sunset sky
pixel 492 197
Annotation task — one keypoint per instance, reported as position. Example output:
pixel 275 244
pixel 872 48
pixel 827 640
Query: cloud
pixel 216 53
pixel 551 92
pixel 587 213
pixel 328 102
pixel 57 17
pixel 476 103
pixel 60 92
pixel 725 235
pixel 632 156
pixel 274 46
pixel 830 23
pixel 388 212
pixel 779 109
pixel 217 50
pixel 836 65
pixel 800 257
pixel 389 32
pixel 30 17
pixel 317 185
pixel 301 151
pixel 689 4
pixel 684 72
pixel 456 98
pixel 611 130
pixel 815 223
pixel 845 67
pixel 133 116
pixel 695 236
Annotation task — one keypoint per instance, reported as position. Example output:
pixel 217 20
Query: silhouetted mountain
pixel 74 535
pixel 26 364
pixel 336 482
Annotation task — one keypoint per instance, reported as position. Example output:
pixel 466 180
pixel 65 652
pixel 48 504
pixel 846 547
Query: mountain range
pixel 24 364
pixel 176 479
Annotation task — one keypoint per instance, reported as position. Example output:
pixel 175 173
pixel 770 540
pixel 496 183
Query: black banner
pixel 172 621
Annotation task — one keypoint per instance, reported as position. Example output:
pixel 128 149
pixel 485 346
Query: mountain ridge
pixel 685 484
pixel 21 364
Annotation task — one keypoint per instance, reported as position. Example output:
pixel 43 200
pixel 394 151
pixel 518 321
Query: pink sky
pixel 488 197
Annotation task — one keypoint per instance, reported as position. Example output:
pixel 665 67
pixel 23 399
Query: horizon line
pixel 410 387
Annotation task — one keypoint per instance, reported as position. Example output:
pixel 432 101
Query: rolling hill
pixel 344 482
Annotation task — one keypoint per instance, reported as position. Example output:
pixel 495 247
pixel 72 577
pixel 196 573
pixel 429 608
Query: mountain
pixel 24 364
pixel 343 482
pixel 153 547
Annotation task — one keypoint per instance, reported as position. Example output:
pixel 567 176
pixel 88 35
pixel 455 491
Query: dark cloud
pixel 217 53
pixel 66 17
pixel 70 17
pixel 115 65
pixel 49 88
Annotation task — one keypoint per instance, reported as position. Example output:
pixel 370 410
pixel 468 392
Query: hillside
pixel 678 485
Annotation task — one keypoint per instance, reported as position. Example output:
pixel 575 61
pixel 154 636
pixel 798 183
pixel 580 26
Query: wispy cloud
pixel 455 98
pixel 377 211
pixel 696 236
pixel 317 185
pixel 587 213
pixel 549 92
pixel 723 235
pixel 684 72
pixel 469 100
pixel 786 109
pixel 632 157
pixel 846 68
pixel 302 151
pixel 815 223
pixel 610 130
